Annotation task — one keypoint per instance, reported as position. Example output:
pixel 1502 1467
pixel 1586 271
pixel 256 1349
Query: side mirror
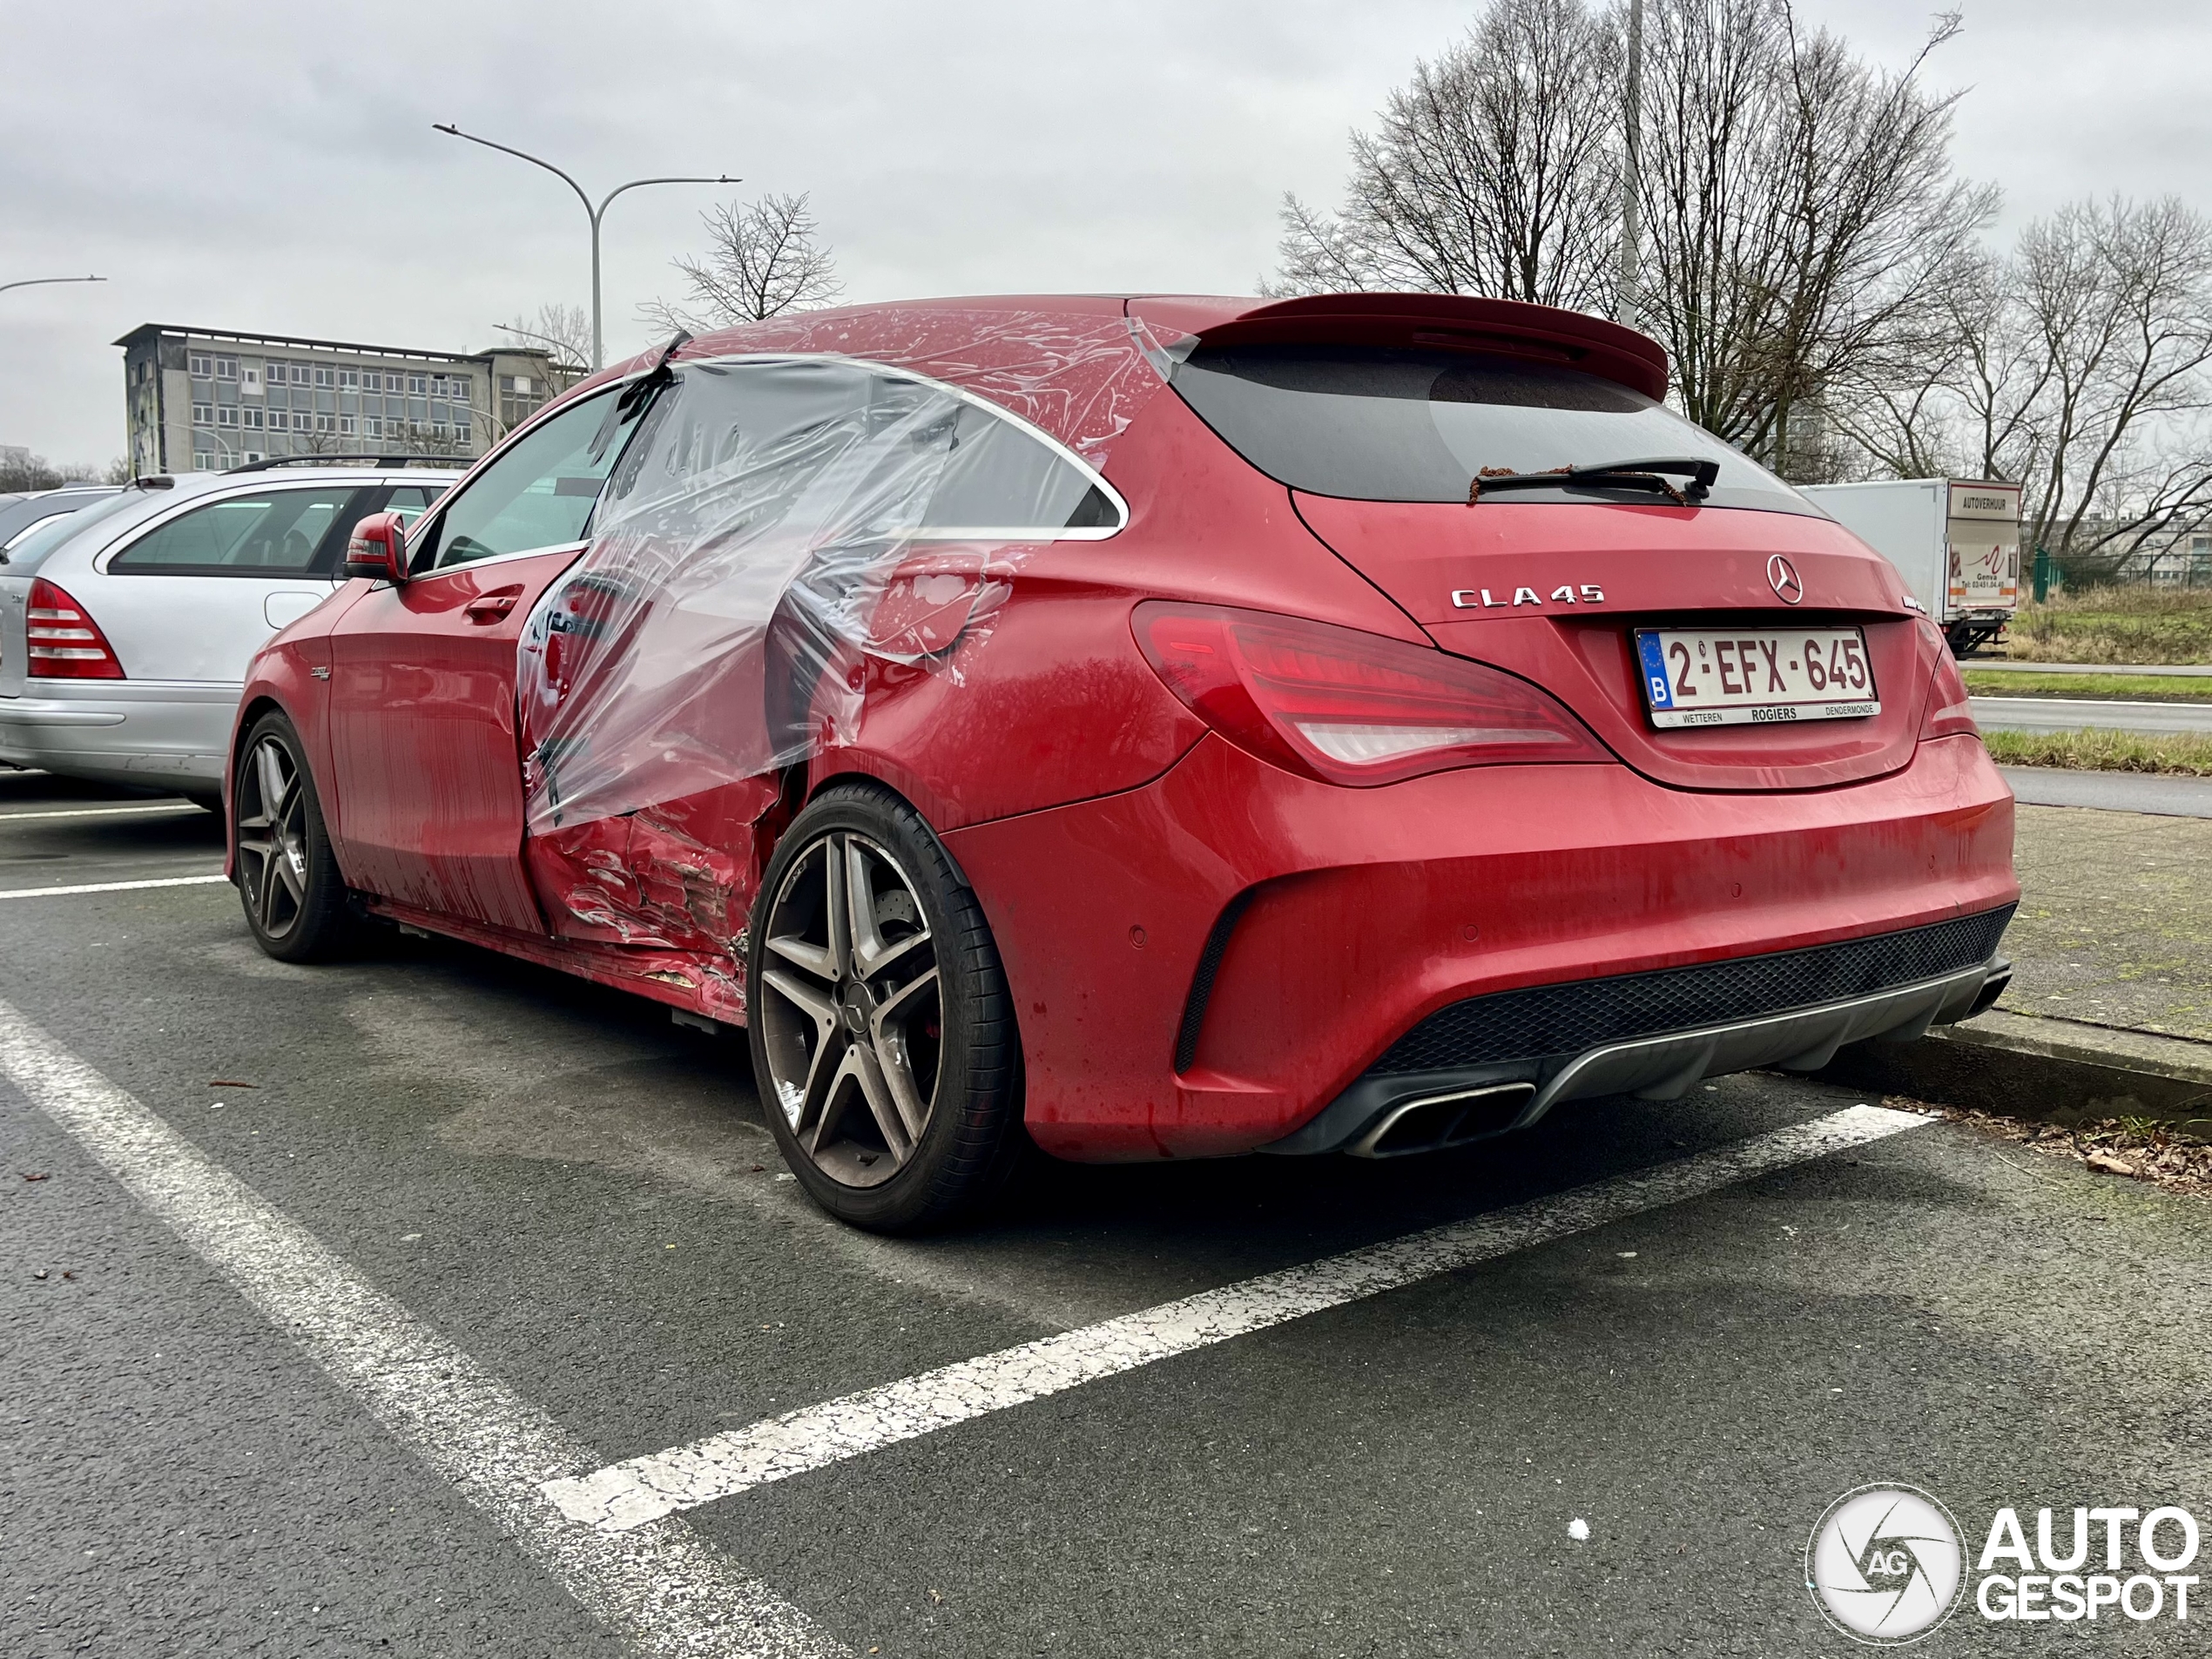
pixel 378 547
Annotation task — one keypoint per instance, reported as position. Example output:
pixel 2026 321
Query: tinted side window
pixel 738 446
pixel 1000 478
pixel 277 533
pixel 539 493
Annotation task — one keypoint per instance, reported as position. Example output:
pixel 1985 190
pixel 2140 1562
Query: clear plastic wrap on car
pixel 778 519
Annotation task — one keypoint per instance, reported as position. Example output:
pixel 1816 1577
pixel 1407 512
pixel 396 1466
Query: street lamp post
pixel 231 451
pixel 1627 302
pixel 596 214
pixel 34 282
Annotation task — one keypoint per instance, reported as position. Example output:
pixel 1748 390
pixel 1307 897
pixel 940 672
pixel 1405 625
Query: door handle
pixel 490 608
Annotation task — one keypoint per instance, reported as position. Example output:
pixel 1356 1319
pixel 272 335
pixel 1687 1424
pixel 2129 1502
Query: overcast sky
pixel 272 167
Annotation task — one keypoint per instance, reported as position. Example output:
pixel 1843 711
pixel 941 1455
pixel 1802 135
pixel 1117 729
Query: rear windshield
pixel 1377 423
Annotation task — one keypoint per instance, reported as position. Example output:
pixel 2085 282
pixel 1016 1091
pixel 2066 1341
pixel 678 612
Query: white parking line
pixel 112 887
pixel 640 1491
pixel 104 812
pixel 662 1590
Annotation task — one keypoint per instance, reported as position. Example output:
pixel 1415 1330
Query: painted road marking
pixel 663 1589
pixel 640 1491
pixel 112 887
pixel 104 812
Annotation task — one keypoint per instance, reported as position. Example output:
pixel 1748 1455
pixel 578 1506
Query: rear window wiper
pixel 1620 474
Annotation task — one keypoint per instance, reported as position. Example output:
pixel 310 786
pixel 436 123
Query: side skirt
pixel 711 986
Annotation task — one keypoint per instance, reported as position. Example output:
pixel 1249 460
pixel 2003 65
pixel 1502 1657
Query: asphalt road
pixel 2112 791
pixel 2075 714
pixel 273 1358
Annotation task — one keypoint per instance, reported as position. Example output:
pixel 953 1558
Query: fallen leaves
pixel 2137 1149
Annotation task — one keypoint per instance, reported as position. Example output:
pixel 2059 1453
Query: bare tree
pixel 564 332
pixel 1492 172
pixel 1802 222
pixel 26 471
pixel 1906 417
pixel 1324 255
pixel 429 441
pixel 561 334
pixel 2080 365
pixel 2115 302
pixel 20 469
pixel 763 259
pixel 1802 218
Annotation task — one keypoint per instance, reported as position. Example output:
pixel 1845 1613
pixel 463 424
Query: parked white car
pixel 126 629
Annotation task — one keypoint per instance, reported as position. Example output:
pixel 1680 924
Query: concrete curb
pixel 2061 1071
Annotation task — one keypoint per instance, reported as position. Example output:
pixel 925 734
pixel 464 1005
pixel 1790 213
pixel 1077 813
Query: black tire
pixel 287 877
pixel 842 1052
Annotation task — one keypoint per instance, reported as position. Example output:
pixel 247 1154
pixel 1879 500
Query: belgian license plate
pixel 1755 676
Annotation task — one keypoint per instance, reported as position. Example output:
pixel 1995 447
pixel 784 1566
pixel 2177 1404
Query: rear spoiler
pixel 1507 328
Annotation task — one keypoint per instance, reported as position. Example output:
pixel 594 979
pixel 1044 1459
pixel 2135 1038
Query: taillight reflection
pixel 1347 707
pixel 1950 715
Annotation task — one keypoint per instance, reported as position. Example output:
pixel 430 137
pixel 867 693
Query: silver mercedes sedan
pixel 125 628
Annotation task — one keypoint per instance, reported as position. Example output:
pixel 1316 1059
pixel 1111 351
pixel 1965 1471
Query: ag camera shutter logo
pixel 1885 1565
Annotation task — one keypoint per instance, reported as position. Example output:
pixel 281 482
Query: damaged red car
pixel 1164 726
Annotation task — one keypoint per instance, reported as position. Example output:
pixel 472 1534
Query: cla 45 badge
pixel 1566 594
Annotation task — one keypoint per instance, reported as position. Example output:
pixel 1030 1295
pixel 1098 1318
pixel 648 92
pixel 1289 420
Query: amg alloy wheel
pixel 851 1018
pixel 294 897
pixel 882 1035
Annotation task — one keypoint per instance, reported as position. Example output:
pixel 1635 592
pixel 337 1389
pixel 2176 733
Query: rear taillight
pixel 66 644
pixel 1949 714
pixel 1347 707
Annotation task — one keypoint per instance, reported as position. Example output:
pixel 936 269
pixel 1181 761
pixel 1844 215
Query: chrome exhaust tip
pixel 1431 1123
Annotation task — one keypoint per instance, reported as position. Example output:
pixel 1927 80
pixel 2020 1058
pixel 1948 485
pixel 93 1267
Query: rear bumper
pixel 124 732
pixel 1203 966
pixel 1511 1057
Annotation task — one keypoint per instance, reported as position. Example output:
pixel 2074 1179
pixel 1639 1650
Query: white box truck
pixel 1956 543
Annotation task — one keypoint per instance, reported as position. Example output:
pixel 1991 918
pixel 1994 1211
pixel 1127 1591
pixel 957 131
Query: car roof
pixel 1011 339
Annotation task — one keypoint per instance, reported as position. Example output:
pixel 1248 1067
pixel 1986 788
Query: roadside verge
pixel 2059 1071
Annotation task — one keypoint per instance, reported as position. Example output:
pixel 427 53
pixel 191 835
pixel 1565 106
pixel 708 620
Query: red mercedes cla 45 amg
pixel 1174 727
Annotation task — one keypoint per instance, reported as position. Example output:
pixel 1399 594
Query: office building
pixel 205 398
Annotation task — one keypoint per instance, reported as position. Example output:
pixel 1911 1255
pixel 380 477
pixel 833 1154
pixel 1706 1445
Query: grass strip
pixel 2140 688
pixel 2187 753
pixel 2134 624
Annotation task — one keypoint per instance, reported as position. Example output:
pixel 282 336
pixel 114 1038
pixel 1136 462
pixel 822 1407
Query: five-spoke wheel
pixel 882 1034
pixel 294 898
pixel 849 1009
pixel 272 835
